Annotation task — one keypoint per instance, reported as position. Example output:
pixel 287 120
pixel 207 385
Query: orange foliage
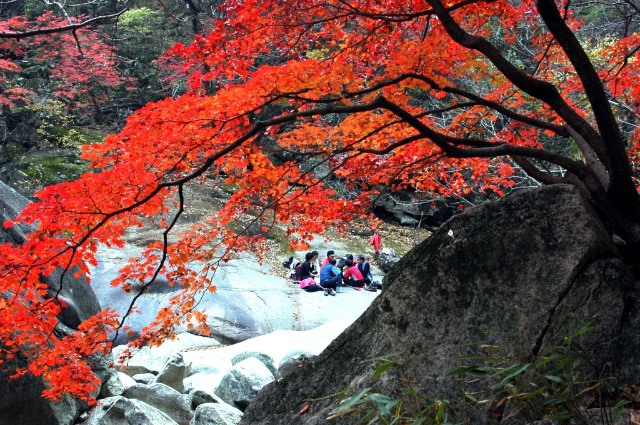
pixel 395 93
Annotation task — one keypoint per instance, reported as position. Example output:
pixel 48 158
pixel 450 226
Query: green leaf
pixel 382 368
pixel 554 401
pixel 560 416
pixel 470 370
pixel 517 371
pixel 382 357
pixel 440 412
pixel 351 401
pixel 470 397
pixel 555 378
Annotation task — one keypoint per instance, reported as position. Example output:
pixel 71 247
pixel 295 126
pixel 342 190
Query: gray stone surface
pixel 76 292
pixel 21 401
pixel 291 363
pixel 216 414
pixel 11 203
pixel 173 373
pixel 264 358
pixel 144 378
pixel 520 273
pixel 164 398
pixel 208 367
pixel 248 302
pixel 123 411
pixel 386 262
pixel 199 397
pixel 126 380
pixel 113 387
pixel 153 359
pixel 241 384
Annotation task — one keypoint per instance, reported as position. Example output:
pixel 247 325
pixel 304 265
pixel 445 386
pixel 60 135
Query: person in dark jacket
pixel 342 261
pixel 305 270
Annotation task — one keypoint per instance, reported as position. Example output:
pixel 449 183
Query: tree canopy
pixel 443 97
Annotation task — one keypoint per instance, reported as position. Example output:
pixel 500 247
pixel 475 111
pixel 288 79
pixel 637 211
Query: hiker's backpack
pixel 287 264
pixel 295 267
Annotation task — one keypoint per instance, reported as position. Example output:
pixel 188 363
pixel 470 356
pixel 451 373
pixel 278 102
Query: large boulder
pixel 164 398
pixel 216 414
pixel 249 300
pixel 81 301
pixel 209 367
pixel 519 273
pixel 264 358
pixel 120 410
pixel 241 384
pixel 20 399
pixel 386 261
pixel 151 360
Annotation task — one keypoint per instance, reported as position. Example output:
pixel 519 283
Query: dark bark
pixel 606 177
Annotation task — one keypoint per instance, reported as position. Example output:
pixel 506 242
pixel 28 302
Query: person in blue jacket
pixel 330 276
pixel 364 267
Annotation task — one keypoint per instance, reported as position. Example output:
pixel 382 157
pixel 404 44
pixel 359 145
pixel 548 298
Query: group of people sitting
pixel 331 274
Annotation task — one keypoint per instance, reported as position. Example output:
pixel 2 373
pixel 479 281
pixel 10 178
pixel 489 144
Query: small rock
pixel 144 378
pixel 265 359
pixel 216 413
pixel 173 373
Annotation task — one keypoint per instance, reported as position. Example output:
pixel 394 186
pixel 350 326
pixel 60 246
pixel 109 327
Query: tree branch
pixel 614 154
pixel 44 31
pixel 542 90
pixel 486 149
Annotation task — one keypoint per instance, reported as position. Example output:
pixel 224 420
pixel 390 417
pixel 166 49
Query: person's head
pixel 360 259
pixel 332 261
pixel 308 256
pixel 315 254
pixel 331 254
pixel 350 257
pixel 349 262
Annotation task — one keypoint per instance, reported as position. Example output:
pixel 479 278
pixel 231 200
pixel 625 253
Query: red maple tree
pixel 78 63
pixel 443 96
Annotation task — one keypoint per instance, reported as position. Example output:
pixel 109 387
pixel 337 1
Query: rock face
pixel 173 373
pixel 408 208
pixel 80 298
pixel 163 398
pixel 241 384
pixel 20 400
pixel 386 262
pixel 218 414
pixel 248 302
pixel 120 410
pixel 521 273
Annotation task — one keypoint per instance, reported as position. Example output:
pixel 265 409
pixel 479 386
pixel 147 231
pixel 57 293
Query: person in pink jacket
pixel 353 277
pixel 330 255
